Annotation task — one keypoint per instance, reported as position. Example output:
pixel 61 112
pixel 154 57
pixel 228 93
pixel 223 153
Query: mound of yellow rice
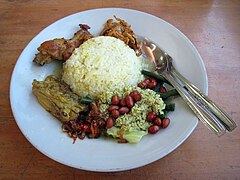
pixel 102 64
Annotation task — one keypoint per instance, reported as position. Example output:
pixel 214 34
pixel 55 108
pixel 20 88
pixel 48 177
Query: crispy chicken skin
pixel 122 31
pixel 56 97
pixel 60 48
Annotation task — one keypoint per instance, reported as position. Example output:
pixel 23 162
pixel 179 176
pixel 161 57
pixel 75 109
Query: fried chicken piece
pixel 122 31
pixel 60 48
pixel 57 98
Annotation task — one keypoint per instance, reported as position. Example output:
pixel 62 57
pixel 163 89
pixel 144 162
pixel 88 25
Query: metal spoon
pixel 163 63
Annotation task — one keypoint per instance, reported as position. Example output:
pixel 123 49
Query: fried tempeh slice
pixel 122 31
pixel 57 98
pixel 60 48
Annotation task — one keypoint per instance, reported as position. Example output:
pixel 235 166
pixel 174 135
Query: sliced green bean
pixel 172 92
pixel 85 100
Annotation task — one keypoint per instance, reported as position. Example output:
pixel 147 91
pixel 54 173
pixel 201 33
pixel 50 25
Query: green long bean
pixel 172 92
pixel 85 100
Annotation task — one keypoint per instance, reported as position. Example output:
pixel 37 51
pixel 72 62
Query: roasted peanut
pixel 153 129
pixel 113 107
pixel 129 101
pixel 123 102
pixel 110 122
pixel 142 85
pixel 137 97
pixel 152 84
pixel 147 81
pixel 157 121
pixel 115 100
pixel 133 92
pixel 124 110
pixel 165 122
pixel 162 89
pixel 115 113
pixel 151 116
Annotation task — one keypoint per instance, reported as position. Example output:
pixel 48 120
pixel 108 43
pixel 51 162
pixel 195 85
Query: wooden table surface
pixel 212 26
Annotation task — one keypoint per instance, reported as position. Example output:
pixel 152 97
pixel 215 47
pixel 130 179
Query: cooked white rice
pixel 102 64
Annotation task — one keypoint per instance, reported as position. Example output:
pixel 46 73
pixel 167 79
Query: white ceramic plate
pixel 44 131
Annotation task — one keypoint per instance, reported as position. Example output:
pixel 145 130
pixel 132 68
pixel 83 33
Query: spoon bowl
pixel 153 54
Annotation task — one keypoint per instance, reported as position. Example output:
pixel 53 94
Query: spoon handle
pixel 208 119
pixel 219 112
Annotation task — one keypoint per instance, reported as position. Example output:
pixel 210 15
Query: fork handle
pixel 208 119
pixel 219 112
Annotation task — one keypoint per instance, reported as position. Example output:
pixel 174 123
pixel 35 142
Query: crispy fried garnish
pixel 60 48
pixel 122 31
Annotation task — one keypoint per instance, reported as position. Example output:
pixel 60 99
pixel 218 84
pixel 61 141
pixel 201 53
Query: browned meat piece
pixel 56 97
pixel 60 48
pixel 122 31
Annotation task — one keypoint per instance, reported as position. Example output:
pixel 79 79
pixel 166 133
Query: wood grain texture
pixel 213 27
